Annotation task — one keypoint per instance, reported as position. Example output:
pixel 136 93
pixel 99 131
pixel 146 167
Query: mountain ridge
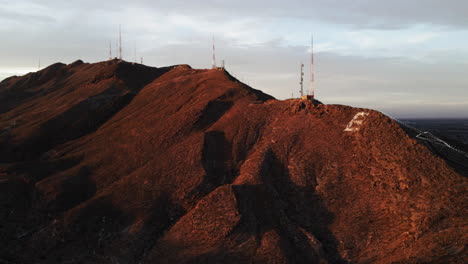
pixel 178 165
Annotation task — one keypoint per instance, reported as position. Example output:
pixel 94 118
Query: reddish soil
pixel 120 163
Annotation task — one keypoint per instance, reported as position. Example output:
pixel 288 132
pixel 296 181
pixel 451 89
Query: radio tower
pixel 301 91
pixel 120 42
pixel 311 91
pixel 110 50
pixel 134 53
pixel 213 62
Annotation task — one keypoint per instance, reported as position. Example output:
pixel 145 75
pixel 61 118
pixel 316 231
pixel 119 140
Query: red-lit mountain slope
pixel 120 163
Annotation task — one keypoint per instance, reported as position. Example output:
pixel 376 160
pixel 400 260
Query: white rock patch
pixel 356 122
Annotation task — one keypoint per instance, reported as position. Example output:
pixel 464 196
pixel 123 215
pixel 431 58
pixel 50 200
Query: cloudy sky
pixel 405 58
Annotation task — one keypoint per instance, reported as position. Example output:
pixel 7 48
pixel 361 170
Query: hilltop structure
pixel 311 93
pixel 213 59
pixel 214 65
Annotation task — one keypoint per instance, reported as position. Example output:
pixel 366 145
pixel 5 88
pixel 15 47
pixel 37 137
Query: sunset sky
pixel 405 58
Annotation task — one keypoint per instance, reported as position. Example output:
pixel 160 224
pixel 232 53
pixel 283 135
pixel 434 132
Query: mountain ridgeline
pixel 115 162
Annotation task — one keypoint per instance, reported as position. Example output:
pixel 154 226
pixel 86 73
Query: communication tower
pixel 120 42
pixel 135 53
pixel 301 91
pixel 213 59
pixel 312 91
pixel 110 50
pixel 311 94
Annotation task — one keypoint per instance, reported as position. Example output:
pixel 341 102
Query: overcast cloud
pixel 406 58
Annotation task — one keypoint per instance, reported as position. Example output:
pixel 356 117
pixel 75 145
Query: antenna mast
pixel 312 91
pixel 213 62
pixel 120 42
pixel 110 50
pixel 302 80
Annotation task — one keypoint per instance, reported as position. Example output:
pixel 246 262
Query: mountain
pixel 115 162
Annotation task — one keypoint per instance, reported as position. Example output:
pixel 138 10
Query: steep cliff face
pixel 114 162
